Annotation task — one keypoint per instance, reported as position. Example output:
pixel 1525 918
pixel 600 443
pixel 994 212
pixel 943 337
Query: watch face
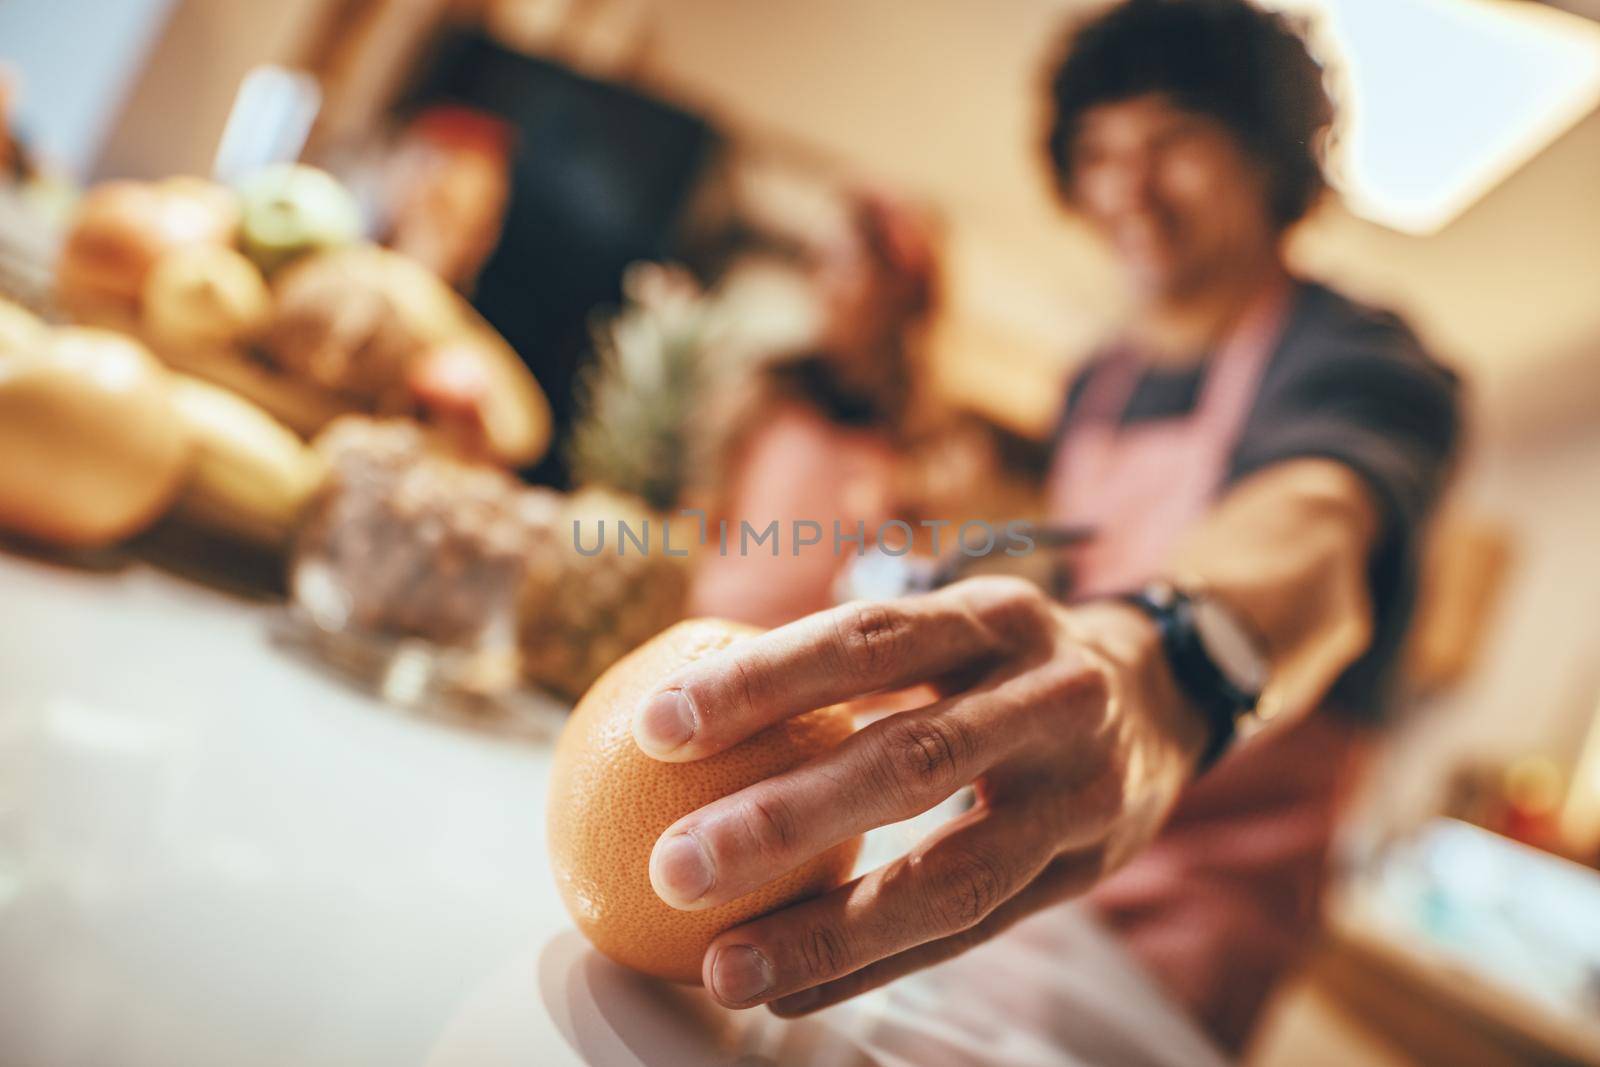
pixel 1230 646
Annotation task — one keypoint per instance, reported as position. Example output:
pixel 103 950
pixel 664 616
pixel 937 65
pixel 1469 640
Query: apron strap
pixel 1234 377
pixel 1086 468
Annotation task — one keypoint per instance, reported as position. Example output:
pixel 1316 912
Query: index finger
pixel 826 658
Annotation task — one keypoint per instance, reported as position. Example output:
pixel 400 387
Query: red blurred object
pixel 450 385
pixel 453 191
pixel 463 128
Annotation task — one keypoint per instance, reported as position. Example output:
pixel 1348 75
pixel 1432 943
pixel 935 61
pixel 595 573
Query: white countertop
pixel 214 852
pixel 208 845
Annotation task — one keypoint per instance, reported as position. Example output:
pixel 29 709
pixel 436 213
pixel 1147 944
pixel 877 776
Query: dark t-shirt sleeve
pixel 1354 385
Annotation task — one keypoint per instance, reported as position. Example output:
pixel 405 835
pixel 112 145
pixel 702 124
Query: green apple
pixel 290 209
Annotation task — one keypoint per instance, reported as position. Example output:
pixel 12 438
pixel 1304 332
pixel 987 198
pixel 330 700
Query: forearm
pixel 1288 550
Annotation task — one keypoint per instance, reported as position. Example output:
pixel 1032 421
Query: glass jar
pixel 408 566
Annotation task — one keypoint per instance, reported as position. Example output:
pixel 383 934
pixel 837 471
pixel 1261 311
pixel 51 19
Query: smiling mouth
pixel 1147 244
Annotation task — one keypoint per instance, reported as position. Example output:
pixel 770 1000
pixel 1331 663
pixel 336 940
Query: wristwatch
pixel 1218 661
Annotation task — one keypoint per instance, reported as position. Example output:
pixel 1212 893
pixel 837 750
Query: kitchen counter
pixel 213 851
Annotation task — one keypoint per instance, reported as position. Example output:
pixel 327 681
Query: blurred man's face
pixel 1174 193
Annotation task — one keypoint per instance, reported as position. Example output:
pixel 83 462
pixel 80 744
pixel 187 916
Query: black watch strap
pixel 1222 703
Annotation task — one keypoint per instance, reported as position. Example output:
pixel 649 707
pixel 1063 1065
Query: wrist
pixel 1130 642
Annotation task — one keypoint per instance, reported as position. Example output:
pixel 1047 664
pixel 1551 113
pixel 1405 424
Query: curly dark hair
pixel 1226 59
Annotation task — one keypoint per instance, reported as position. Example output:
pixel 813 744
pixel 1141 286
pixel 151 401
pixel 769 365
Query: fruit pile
pixel 242 361
pixel 267 290
pixel 101 440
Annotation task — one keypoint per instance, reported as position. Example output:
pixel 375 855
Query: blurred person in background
pixel 816 436
pixel 1258 455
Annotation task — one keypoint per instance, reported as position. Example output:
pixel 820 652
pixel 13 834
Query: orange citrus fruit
pixel 609 802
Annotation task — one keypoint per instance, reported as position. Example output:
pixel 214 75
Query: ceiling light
pixel 1443 99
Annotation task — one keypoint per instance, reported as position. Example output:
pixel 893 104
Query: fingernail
pixel 664 722
pixel 681 871
pixel 739 973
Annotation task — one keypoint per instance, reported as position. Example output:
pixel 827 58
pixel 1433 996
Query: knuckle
pixel 740 691
pixel 1076 686
pixel 770 822
pixel 975 934
pixel 873 639
pixel 823 952
pixel 1019 592
pixel 1014 608
pixel 1093 685
pixel 926 754
pixel 972 884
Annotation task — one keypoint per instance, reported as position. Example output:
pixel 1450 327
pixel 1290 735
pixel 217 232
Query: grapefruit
pixel 609 802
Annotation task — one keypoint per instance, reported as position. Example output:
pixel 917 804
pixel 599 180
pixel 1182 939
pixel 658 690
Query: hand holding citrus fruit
pixel 609 802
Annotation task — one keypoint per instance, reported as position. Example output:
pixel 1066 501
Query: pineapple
pixel 643 394
pixel 634 452
pixel 580 614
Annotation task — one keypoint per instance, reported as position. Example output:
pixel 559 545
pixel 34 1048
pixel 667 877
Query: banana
pixel 251 475
pixel 90 453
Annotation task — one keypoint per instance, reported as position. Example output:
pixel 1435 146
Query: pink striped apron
pixel 1221 903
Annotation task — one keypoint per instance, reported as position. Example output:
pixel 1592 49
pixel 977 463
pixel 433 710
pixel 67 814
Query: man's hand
pixel 1065 720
